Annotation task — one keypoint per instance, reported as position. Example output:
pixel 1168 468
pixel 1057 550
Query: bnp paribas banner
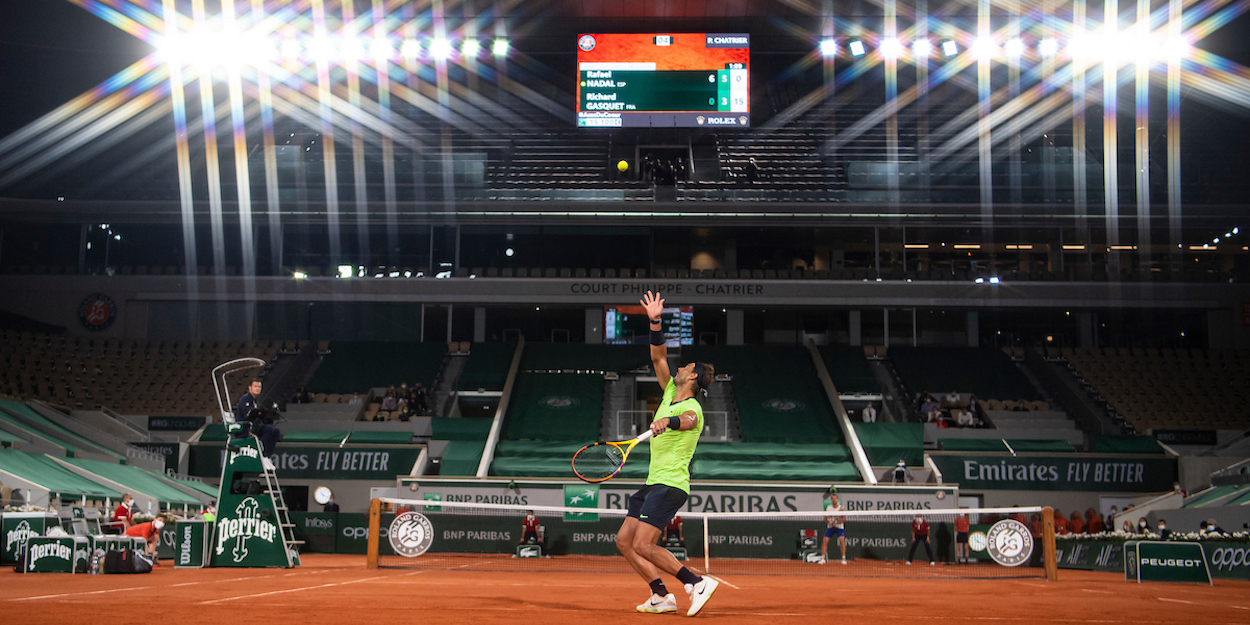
pixel 330 462
pixel 1073 472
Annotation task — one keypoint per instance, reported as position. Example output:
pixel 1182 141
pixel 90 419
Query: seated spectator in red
pixel 1076 524
pixel 1035 525
pixel 124 514
pixel 1061 523
pixel 1093 524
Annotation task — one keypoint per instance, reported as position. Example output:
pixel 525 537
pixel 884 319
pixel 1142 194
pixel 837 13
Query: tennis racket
pixel 600 462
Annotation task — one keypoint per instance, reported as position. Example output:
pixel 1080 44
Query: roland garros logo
pixel 1009 543
pixel 411 534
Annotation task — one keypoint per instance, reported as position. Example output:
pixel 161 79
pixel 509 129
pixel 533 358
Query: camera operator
pixel 262 420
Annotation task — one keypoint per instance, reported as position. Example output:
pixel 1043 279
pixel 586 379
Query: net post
pixel 1048 544
pixel 706 551
pixel 375 514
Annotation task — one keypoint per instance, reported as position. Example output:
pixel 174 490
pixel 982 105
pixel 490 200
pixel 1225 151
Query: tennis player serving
pixel 676 428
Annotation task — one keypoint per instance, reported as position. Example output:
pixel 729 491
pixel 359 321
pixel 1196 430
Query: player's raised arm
pixel 654 305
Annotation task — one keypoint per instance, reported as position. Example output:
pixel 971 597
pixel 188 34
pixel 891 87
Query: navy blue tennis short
pixel 830 532
pixel 656 504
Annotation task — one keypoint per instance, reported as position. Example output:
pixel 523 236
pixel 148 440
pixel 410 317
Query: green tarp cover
pixel 461 458
pixel 380 438
pixel 135 479
pixel 460 428
pixel 213 433
pixel 201 487
pixel 555 406
pixel 1127 444
pixel 887 443
pixel 357 366
pixel 314 436
pixel 33 434
pixel 1240 500
pixel 1211 496
pixel 62 433
pixel 1047 446
pixel 487 367
pixel 5 437
pixel 45 472
pixel 973 444
pixel 849 369
pixel 583 357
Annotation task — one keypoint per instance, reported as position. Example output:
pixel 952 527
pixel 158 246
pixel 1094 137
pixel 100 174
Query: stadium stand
pixel 130 376
pixel 581 357
pixel 1168 388
pixel 487 367
pixel 356 366
pixel 848 368
pixel 555 407
pixel 985 372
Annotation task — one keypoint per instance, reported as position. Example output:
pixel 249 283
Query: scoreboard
pixel 663 80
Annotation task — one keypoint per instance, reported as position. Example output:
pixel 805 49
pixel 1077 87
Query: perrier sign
pixel 247 532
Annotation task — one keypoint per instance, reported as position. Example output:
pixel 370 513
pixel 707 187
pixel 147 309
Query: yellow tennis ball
pixel 622 166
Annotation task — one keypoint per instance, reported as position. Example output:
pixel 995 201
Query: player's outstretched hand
pixel 653 303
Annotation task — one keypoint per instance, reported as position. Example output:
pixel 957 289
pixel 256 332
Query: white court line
pixel 101 592
pixel 279 592
pixel 1105 592
pixel 1174 600
pixel 724 582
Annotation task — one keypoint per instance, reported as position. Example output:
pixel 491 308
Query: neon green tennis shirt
pixel 671 451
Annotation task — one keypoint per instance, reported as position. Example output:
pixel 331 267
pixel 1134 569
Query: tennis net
pixel 1002 542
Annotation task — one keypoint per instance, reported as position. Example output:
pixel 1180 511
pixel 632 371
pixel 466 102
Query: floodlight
pixel 381 49
pixel 984 48
pixel 891 48
pixel 1048 47
pixel 921 48
pixel 1014 48
pixel 299 275
pixel 500 47
pixel 857 48
pixel 440 49
pixel 345 271
pixel 470 47
pixel 291 49
pixel 410 48
pixel 950 48
pixel 993 279
pixel 828 47
pixel 321 49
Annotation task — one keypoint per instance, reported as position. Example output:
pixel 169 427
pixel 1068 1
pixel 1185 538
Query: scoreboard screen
pixel 688 80
pixel 629 325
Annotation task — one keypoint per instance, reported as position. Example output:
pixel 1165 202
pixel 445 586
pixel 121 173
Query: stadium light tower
pixel 857 48
pixel 828 47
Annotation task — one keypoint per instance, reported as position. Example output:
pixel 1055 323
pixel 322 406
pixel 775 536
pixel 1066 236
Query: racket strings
pixel 598 461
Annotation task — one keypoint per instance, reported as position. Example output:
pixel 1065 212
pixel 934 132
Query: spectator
pixel 405 412
pixel 331 506
pixel 951 400
pixel 1093 523
pixel 388 403
pixel 963 418
pixel 356 400
pixel 1035 525
pixel 1076 524
pixel 124 515
pixel 421 398
pixel 901 474
pixel 1126 527
pixel 1176 488
pixel 930 411
pixel 301 396
pixel 1214 528
pixel 1143 526
pixel 869 413
pixel 1164 532
pixel 1061 523
pixel 1110 518
pixel 974 406
pixel 920 534
pixel 752 170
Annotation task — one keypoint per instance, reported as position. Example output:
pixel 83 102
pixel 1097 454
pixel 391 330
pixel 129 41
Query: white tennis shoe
pixel 699 594
pixel 656 604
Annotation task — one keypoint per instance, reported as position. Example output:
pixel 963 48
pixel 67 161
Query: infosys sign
pixel 1076 473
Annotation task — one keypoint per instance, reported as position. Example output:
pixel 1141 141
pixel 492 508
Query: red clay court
pixel 338 589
